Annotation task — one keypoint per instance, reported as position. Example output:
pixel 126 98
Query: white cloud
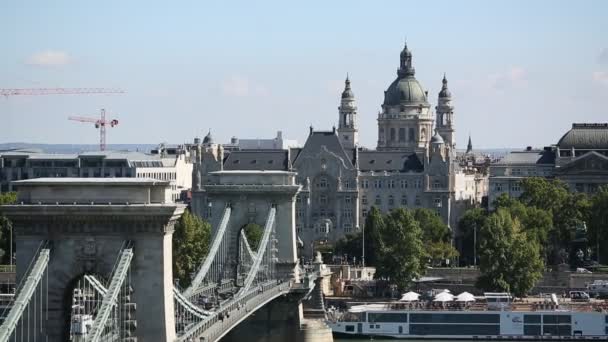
pixel 512 77
pixel 49 58
pixel 601 77
pixel 241 86
pixel 603 57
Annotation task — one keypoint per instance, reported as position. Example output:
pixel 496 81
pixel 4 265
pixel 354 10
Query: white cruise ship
pixel 490 317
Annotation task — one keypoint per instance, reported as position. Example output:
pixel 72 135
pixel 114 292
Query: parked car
pixel 579 296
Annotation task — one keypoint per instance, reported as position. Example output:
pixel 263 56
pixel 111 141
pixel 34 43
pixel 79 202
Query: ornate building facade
pixel 414 164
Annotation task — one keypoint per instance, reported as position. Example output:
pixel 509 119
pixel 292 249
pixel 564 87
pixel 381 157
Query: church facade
pixel 414 164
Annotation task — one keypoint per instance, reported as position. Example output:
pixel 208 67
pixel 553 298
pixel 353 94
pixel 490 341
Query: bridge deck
pixel 232 312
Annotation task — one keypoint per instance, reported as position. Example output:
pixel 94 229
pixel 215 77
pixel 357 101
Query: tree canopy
pixel 191 240
pixel 470 223
pixel 510 260
pixel 5 227
pixel 401 250
pixel 254 233
pixel 598 222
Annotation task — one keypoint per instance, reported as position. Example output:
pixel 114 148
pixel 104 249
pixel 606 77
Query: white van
pixel 599 288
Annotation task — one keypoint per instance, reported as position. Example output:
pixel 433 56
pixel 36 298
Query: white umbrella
pixel 465 297
pixel 444 297
pixel 409 297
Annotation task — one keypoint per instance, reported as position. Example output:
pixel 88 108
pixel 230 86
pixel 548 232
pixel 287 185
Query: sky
pixel 520 72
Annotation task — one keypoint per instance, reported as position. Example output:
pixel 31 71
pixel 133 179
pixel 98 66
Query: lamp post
pixel 363 248
pixel 11 245
pixel 475 244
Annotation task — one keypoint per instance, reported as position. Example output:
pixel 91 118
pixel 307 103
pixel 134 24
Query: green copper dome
pixel 405 89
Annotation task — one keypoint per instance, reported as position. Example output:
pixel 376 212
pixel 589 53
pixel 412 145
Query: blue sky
pixel 520 71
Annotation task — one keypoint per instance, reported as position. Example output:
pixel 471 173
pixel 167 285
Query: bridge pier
pixel 86 223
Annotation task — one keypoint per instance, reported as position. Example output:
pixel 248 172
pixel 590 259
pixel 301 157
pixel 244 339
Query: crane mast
pixel 100 123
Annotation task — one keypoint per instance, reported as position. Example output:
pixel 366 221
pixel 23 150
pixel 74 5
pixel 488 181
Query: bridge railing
pixel 233 311
pixel 25 297
pixel 212 267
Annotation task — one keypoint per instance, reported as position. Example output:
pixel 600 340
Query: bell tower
pixel 445 115
pixel 347 127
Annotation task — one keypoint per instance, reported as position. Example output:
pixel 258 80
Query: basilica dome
pixel 405 89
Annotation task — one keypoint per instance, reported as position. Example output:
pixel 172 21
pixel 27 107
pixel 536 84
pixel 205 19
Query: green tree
pixel 401 250
pixel 509 259
pixel 374 228
pixel 536 222
pixel 191 241
pixel 6 227
pixel 469 225
pixel 433 228
pixel 435 235
pixel 254 233
pixel 543 193
pixel 8 198
pixel 350 244
pixel 598 223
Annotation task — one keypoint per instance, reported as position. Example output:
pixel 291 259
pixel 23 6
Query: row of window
pixel 399 135
pixel 158 175
pixel 554 330
pixel 392 184
pixel 547 319
pixel 391 200
pixel 514 187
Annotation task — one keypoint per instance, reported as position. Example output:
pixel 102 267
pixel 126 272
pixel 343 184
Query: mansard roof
pixel 328 139
pixel 528 157
pixel 389 161
pixel 276 160
pixel 586 136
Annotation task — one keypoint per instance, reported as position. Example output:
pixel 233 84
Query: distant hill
pixel 75 148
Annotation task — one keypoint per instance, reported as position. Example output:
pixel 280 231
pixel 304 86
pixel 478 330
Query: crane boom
pixel 83 119
pixel 54 91
pixel 100 123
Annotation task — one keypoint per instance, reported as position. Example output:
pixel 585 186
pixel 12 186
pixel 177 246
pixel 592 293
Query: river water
pixel 336 339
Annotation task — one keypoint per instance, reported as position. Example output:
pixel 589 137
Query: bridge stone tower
pixel 86 222
pixel 251 195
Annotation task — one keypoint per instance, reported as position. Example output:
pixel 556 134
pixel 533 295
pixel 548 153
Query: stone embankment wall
pixel 551 281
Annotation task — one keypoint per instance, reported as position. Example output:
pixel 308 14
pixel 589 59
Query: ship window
pixel 556 319
pixel 531 319
pixel 387 317
pixel 349 328
pixel 532 330
pixel 371 326
pixel 454 318
pixel 454 329
pixel 557 330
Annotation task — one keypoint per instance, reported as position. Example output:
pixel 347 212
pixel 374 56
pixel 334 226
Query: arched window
pixel 378 200
pixel 411 135
pixel 392 134
pixel 401 134
pixel 391 200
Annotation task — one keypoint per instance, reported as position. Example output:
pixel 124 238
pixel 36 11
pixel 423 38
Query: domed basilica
pixel 414 164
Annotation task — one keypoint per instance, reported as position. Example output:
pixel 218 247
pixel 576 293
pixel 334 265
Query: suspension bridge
pixel 94 259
